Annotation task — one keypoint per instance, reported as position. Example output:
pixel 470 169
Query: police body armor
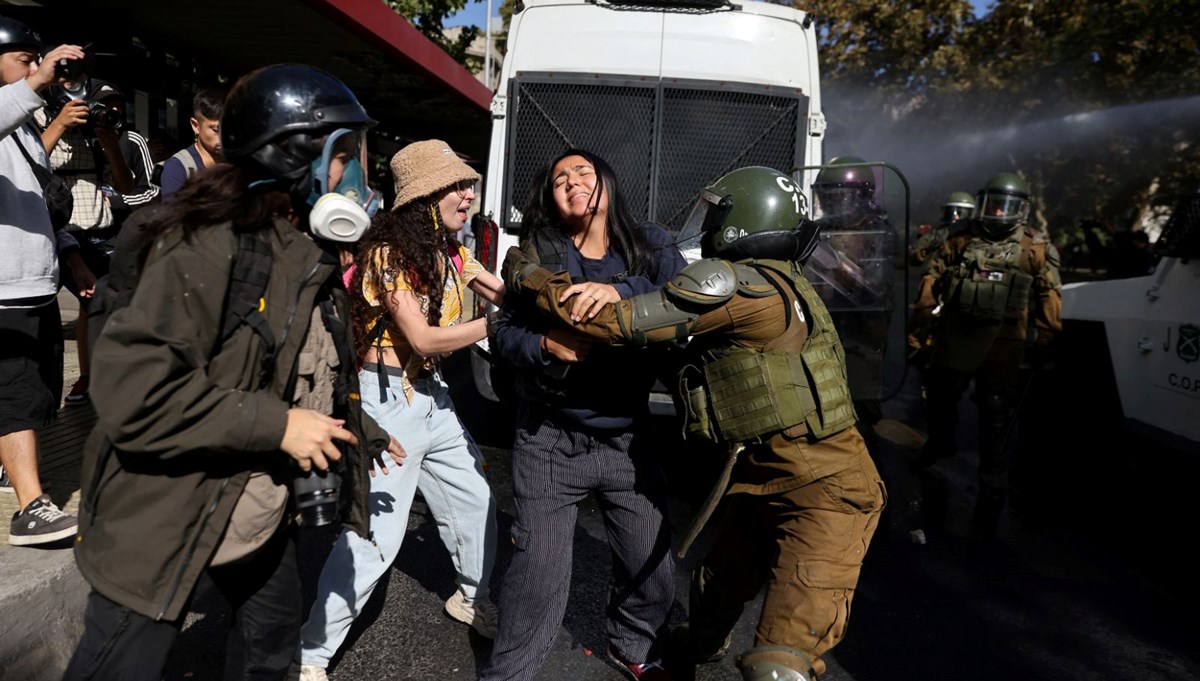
pixel 734 394
pixel 988 284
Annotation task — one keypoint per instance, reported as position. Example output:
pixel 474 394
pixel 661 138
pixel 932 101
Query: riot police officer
pixel 991 281
pixel 852 269
pixel 959 207
pixel 766 377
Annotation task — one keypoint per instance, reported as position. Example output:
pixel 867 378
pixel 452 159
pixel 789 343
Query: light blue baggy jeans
pixel 447 467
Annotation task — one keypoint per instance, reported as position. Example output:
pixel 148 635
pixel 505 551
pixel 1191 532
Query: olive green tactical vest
pixel 988 284
pixel 744 394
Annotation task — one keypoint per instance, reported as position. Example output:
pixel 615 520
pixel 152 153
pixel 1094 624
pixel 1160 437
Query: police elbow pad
pixel 711 281
pixel 651 317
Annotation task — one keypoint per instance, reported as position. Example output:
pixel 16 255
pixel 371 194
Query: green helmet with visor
pixel 842 185
pixel 752 212
pixel 1003 205
pixel 958 206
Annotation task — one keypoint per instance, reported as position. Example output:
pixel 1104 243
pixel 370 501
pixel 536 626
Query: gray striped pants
pixel 554 468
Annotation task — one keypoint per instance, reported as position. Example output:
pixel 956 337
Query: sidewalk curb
pixel 42 598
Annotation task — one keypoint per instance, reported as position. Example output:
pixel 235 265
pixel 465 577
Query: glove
pixel 518 265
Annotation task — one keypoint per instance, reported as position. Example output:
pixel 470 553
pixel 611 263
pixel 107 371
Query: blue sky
pixel 475 14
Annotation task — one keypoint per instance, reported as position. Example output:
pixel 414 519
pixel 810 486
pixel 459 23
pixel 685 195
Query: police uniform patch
pixel 731 234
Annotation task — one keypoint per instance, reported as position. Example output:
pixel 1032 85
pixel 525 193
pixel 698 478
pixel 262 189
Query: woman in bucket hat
pixel 408 293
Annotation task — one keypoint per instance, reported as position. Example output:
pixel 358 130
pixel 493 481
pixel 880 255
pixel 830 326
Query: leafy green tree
pixel 1094 101
pixel 428 17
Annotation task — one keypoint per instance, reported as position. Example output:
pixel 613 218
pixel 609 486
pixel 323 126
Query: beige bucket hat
pixel 425 168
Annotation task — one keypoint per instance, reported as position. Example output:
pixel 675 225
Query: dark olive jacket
pixel 187 424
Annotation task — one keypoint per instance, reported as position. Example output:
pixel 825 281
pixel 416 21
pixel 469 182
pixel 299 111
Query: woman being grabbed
pixel 408 292
pixel 580 427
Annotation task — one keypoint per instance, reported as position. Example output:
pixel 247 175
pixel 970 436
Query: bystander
pixel 108 169
pixel 207 107
pixel 30 326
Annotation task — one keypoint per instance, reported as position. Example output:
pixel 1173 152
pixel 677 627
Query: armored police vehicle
pixel 1144 334
pixel 672 93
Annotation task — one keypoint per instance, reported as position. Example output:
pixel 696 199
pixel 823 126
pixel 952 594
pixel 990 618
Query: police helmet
pixel 276 120
pixel 17 36
pixel 752 212
pixel 842 185
pixel 958 206
pixel 1003 205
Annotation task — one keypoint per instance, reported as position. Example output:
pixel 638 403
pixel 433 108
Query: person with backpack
pixel 408 288
pixel 226 389
pixel 31 343
pixel 582 428
pixel 208 105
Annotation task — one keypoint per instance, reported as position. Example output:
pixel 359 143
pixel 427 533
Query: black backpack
pixel 247 285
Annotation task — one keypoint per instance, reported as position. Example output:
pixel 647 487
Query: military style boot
pixel 697 648
pixel 775 663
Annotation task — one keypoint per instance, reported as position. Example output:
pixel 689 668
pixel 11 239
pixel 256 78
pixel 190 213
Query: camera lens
pixel 316 495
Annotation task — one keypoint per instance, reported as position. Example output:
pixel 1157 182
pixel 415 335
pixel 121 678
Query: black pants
pixel 264 593
pixel 31 366
pixel 554 468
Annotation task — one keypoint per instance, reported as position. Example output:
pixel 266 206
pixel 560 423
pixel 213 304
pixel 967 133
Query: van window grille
pixel 707 129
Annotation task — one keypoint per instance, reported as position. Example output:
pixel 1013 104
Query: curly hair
pixel 416 247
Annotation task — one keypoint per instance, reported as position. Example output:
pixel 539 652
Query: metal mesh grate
pixel 615 121
pixel 706 131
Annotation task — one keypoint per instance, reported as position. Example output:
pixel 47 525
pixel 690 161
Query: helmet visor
pixel 953 213
pixel 707 215
pixel 835 200
pixel 342 169
pixel 1004 207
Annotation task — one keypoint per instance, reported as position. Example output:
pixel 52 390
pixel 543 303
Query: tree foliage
pixel 1094 101
pixel 428 16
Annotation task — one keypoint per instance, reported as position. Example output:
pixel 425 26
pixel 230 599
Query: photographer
pixel 108 170
pixel 30 328
pixel 217 410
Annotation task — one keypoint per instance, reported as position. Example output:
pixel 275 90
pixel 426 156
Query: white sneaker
pixel 310 672
pixel 480 615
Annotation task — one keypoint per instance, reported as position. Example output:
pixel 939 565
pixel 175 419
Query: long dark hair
pixel 417 248
pixel 624 230
pixel 216 195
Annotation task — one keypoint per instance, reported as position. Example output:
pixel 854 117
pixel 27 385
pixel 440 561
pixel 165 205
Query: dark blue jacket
pixel 610 389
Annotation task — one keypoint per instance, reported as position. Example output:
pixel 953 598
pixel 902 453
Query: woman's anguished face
pixel 573 181
pixel 454 204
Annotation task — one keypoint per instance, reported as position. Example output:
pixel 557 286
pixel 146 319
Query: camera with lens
pixel 105 103
pixel 316 495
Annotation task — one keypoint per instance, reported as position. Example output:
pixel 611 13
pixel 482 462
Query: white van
pixel 672 93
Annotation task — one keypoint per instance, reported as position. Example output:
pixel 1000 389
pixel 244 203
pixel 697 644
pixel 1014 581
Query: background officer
pixel 958 208
pixel 991 281
pixel 766 376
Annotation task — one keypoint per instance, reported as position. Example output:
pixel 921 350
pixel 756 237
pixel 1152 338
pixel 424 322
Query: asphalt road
pixel 1039 602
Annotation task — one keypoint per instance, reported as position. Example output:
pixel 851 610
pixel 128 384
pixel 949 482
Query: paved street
pixel 1050 599
pixel 1035 604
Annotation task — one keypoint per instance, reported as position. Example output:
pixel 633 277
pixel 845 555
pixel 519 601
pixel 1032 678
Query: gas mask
pixel 342 203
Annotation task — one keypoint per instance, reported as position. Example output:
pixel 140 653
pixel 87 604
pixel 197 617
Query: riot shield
pixel 860 274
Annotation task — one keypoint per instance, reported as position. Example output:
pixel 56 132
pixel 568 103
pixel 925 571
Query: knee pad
pixel 775 663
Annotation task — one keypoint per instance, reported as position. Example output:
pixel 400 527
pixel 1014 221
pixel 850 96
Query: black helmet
pixel 17 36
pixel 842 184
pixel 958 206
pixel 1003 205
pixel 275 119
pixel 752 212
